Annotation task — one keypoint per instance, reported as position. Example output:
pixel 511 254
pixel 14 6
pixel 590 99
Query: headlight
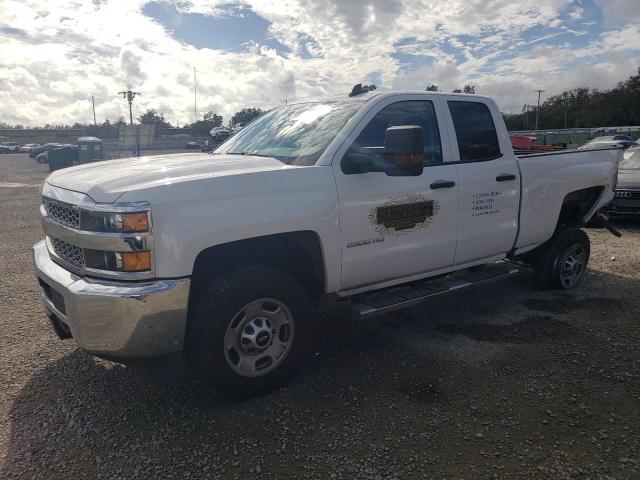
pixel 118 261
pixel 114 222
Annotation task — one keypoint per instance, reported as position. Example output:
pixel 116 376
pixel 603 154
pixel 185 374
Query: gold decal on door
pixel 404 214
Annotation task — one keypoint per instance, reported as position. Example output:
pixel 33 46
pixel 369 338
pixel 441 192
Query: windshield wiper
pixel 245 153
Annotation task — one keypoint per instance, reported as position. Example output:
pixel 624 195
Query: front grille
pixel 62 213
pixel 628 194
pixel 69 253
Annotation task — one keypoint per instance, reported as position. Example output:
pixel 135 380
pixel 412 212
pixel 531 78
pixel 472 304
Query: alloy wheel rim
pixel 259 337
pixel 572 265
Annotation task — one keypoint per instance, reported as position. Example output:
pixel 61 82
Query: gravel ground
pixel 499 382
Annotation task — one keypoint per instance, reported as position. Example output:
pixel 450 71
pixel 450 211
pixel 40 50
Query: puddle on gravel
pixel 531 329
pixel 566 303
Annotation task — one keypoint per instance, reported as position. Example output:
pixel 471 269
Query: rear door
pixel 489 179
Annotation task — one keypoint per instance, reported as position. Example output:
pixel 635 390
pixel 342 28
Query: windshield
pixel 294 134
pixel 631 161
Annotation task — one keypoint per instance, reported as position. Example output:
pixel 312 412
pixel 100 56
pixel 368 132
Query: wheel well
pixel 298 254
pixel 576 205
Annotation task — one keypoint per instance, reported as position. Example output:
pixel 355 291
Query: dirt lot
pixel 501 382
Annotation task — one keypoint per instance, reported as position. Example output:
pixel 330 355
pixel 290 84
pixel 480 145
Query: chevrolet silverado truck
pixel 381 199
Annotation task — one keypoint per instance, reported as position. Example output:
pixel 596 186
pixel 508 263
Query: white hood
pixel 105 181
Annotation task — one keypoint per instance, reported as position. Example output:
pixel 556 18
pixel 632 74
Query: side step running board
pixel 395 298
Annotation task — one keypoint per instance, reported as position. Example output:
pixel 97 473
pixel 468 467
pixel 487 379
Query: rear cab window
pixel 475 131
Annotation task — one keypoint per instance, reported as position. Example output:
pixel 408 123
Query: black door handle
pixel 442 184
pixel 505 177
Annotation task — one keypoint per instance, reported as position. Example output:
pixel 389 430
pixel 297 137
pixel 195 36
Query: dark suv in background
pixel 627 200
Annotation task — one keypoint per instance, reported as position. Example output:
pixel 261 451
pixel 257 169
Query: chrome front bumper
pixel 114 319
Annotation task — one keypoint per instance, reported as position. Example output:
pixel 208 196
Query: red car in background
pixel 523 144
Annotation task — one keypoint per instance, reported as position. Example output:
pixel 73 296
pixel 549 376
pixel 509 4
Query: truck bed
pixel 548 177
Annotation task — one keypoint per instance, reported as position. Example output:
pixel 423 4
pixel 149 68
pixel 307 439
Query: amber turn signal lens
pixel 407 160
pixel 135 222
pixel 136 261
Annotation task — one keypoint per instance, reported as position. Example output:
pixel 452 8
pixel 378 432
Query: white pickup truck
pixel 218 258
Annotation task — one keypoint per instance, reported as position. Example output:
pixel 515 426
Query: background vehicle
pixel 43 156
pixel 10 147
pixel 613 141
pixel 625 138
pixel 383 199
pixel 192 146
pixel 236 127
pixel 26 148
pixel 220 134
pixel 627 193
pixel 44 148
pixel 524 145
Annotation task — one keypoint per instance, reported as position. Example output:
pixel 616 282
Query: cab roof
pixel 386 93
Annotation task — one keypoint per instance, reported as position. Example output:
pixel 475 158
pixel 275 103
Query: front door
pixel 396 227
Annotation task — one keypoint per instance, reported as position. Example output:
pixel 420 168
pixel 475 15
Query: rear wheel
pixel 249 331
pixel 562 263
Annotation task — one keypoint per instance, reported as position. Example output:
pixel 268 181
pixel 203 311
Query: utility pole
pixel 525 119
pixel 93 103
pixel 129 96
pixel 195 95
pixel 538 109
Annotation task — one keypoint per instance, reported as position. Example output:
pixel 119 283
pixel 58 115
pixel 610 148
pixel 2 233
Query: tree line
pixel 468 89
pixel 583 108
pixel 109 129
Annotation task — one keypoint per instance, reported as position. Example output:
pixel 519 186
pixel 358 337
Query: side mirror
pixel 357 162
pixel 404 150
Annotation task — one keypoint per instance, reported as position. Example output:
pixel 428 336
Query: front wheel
pixel 563 262
pixel 249 331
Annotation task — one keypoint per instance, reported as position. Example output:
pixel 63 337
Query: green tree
pixel 359 89
pixel 203 127
pixel 151 117
pixel 586 108
pixel 245 115
pixel 432 88
pixel 468 89
pixel 214 119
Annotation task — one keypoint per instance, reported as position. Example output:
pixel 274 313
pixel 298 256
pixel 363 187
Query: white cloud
pixel 577 13
pixel 619 11
pixel 54 56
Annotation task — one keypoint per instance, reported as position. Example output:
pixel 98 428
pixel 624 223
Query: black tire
pixel 548 263
pixel 216 307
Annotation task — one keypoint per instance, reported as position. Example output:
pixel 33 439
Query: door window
pixel 419 113
pixel 475 131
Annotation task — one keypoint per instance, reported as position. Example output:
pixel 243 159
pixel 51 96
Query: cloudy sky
pixel 55 54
